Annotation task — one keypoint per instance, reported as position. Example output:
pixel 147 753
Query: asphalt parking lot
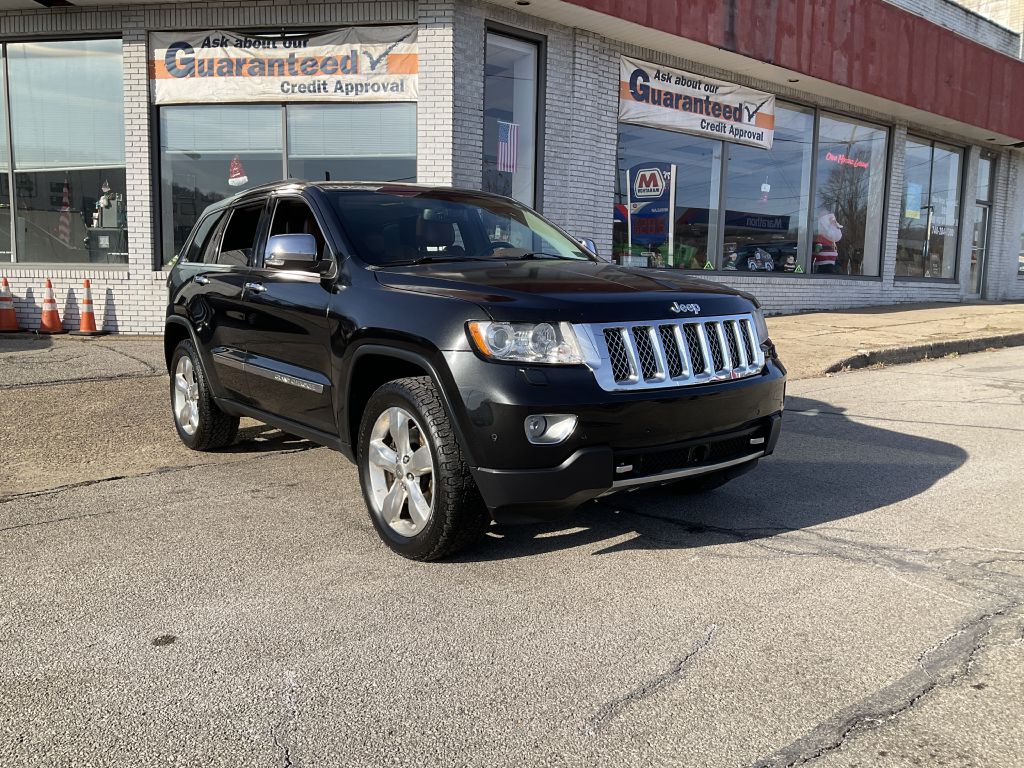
pixel 857 600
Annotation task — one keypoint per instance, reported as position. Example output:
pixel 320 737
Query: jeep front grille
pixel 673 353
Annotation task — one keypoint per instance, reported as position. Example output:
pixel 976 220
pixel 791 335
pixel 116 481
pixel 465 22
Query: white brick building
pixel 910 231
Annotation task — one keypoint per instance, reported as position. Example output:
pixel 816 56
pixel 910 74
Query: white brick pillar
pixel 898 136
pixel 137 133
pixel 579 180
pixel 435 109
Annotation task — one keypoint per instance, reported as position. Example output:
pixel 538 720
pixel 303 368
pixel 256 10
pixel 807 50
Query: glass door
pixel 982 206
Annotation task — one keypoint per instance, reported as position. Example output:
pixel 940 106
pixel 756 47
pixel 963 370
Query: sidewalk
pixel 811 344
pixel 815 343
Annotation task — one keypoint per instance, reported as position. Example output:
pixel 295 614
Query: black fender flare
pixel 419 358
pixel 213 380
pixel 178 320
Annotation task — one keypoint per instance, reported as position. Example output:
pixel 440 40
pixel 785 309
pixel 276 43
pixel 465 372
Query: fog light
pixel 549 428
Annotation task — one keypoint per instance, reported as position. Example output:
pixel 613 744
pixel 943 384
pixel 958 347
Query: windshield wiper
pixel 540 255
pixel 433 260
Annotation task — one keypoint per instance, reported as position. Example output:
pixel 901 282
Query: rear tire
pixel 416 484
pixel 201 425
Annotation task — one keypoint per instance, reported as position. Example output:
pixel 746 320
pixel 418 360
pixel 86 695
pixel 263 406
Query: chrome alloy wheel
pixel 186 395
pixel 401 472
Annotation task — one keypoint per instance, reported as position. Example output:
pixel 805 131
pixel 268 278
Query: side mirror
pixel 293 252
pixel 589 244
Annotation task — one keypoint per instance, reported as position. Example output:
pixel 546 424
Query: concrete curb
pixel 916 352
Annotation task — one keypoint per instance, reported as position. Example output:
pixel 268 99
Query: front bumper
pixel 521 495
pixel 656 432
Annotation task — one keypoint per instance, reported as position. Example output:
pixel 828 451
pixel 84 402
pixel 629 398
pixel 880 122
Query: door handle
pixel 201 280
pixel 255 287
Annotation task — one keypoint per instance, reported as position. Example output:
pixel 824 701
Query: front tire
pixel 201 425
pixel 416 483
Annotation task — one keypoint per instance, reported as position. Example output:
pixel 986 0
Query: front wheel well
pixel 370 372
pixel 174 334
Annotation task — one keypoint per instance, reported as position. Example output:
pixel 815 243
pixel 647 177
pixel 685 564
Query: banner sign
pixel 660 97
pixel 352 64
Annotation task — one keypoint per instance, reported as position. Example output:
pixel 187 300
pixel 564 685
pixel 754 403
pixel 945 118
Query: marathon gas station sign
pixel 352 64
pixel 660 97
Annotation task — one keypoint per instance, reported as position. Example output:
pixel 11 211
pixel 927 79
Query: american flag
pixel 508 146
pixel 64 220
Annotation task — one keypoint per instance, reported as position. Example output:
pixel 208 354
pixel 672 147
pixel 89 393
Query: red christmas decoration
pixel 236 174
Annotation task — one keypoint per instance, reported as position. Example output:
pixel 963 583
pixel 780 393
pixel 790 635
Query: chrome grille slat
pixel 675 352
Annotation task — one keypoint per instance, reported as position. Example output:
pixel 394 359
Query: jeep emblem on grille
pixel 679 308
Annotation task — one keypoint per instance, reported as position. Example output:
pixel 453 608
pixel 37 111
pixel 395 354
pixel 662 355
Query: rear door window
pixel 239 241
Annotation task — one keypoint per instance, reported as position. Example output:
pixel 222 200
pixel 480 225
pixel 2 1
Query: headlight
pixel 526 342
pixel 760 325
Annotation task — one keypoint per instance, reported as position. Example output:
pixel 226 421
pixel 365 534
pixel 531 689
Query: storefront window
pixel 1020 257
pixel 6 245
pixel 690 167
pixel 740 207
pixel 930 211
pixel 67 118
pixel 980 221
pixel 375 142
pixel 849 197
pixel 510 117
pixel 766 198
pixel 208 153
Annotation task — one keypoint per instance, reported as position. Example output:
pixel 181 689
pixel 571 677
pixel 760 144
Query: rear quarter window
pixel 201 236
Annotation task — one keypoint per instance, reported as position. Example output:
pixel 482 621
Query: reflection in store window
pixel 1020 257
pixel 767 194
pixel 773 218
pixel 354 142
pixel 208 153
pixel 849 197
pixel 689 169
pixel 930 211
pixel 67 119
pixel 71 216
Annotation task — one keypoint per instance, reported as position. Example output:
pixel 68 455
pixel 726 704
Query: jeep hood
pixel 571 291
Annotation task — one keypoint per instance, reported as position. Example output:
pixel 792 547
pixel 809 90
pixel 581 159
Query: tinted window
pixel 388 227
pixel 202 237
pixel 236 248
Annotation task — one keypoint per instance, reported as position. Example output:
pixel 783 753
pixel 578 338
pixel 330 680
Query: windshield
pixel 408 226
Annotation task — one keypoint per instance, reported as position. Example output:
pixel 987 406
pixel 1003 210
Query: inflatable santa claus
pixel 825 254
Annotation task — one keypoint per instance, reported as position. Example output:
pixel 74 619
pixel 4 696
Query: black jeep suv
pixel 472 358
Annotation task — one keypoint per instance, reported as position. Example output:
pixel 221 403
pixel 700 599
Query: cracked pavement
pixel 857 600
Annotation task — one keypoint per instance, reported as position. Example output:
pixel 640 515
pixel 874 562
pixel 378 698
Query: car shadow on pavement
pixel 825 468
pixel 261 437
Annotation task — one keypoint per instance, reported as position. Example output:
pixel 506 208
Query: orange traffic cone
pixel 87 323
pixel 50 322
pixel 8 318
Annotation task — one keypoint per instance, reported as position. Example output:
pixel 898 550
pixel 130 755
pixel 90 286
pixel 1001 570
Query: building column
pixel 435 110
pixel 137 136
pixel 895 212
